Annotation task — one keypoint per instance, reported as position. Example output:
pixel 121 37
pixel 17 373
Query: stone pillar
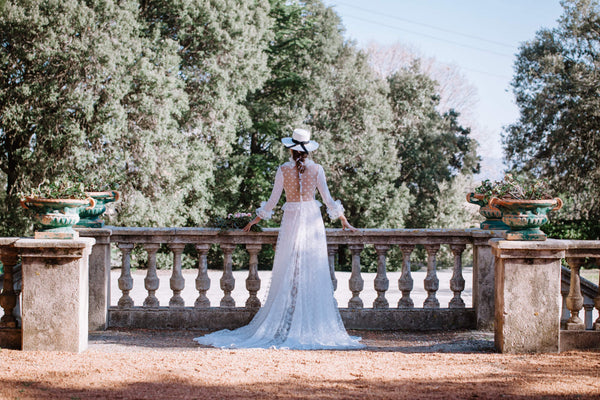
pixel 227 280
pixel 177 281
pixel 10 331
pixel 202 280
pixel 151 281
pixel 483 280
pixel 331 252
pixel 99 277
pixel 382 282
pixel 575 298
pixel 405 283
pixel 431 281
pixel 356 282
pixel 55 293
pixel 253 281
pixel 528 299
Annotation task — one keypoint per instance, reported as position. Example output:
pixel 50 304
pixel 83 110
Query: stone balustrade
pixel 528 296
pixel 380 314
pixel 516 286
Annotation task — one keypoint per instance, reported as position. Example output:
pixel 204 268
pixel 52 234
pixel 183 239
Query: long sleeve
pixel 335 209
pixel 265 211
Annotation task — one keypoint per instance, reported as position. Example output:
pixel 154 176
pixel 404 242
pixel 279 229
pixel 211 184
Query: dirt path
pixel 168 365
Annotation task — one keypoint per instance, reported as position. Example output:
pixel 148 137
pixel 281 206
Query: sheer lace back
pixel 299 187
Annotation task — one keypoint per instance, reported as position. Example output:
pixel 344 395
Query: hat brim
pixel 310 146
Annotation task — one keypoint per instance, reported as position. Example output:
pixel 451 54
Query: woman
pixel 300 311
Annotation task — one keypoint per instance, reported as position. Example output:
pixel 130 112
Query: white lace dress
pixel 300 311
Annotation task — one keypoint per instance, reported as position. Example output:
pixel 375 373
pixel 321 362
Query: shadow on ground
pixel 376 341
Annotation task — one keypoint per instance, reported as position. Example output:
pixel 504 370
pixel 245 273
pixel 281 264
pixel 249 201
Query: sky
pixel 480 37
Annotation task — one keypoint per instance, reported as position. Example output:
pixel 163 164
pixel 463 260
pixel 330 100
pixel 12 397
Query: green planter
pixel 56 217
pixel 525 217
pixel 92 217
pixel 493 216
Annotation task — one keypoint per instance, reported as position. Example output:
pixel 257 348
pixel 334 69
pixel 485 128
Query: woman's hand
pixel 253 222
pixel 346 224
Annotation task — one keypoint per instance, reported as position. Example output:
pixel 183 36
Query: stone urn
pixel 56 217
pixel 525 217
pixel 492 215
pixel 92 217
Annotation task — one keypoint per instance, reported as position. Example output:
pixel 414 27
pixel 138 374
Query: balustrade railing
pixel 576 296
pixel 371 307
pixel 382 240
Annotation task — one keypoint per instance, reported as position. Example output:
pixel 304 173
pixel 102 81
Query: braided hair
pixel 299 157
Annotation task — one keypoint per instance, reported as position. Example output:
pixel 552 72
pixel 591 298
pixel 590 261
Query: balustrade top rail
pixel 269 236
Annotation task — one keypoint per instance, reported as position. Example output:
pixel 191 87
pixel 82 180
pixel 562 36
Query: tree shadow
pixel 376 341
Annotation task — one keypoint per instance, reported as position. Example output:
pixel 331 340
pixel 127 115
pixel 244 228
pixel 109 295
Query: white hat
pixel 300 141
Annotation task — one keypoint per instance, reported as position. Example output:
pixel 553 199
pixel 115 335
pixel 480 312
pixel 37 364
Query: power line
pixel 430 36
pixel 431 26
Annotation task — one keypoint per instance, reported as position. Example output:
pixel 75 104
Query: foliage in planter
pixel 516 188
pixel 60 188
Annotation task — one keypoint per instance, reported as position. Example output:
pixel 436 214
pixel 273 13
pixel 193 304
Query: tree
pixel 358 150
pixel 432 147
pixel 556 90
pixel 222 48
pixel 306 41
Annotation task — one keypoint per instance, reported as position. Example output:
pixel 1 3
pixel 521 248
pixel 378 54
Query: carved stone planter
pixel 56 217
pixel 525 217
pixel 92 217
pixel 492 215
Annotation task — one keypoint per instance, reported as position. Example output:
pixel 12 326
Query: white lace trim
pixel 262 213
pixel 336 210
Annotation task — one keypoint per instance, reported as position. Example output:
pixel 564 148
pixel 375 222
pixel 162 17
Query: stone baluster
pixel 331 252
pixel 575 298
pixel 457 282
pixel 565 314
pixel 125 280
pixel 253 281
pixel 356 282
pixel 381 283
pixel 589 313
pixel 227 280
pixel 405 283
pixel 177 282
pixel 8 298
pixel 431 282
pixel 202 280
pixel 597 301
pixel 151 281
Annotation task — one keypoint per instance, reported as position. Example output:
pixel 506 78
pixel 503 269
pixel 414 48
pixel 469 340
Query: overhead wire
pixel 430 26
pixel 378 23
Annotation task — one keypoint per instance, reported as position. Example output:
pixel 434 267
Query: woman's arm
pixel 265 211
pixel 334 208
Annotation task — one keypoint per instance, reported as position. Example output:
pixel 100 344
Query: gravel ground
pixel 396 365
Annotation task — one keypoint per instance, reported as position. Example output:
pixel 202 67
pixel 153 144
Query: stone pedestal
pixel 55 293
pixel 528 299
pixel 99 277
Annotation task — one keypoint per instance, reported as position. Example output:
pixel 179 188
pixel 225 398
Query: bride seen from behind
pixel 300 311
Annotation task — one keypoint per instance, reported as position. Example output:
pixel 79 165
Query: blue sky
pixel 481 38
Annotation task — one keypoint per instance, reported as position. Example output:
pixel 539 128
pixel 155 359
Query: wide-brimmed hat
pixel 300 141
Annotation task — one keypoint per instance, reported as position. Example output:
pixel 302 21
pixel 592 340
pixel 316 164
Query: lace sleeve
pixel 335 209
pixel 265 211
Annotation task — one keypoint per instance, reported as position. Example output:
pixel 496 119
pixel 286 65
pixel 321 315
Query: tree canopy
pixel 183 105
pixel 556 89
